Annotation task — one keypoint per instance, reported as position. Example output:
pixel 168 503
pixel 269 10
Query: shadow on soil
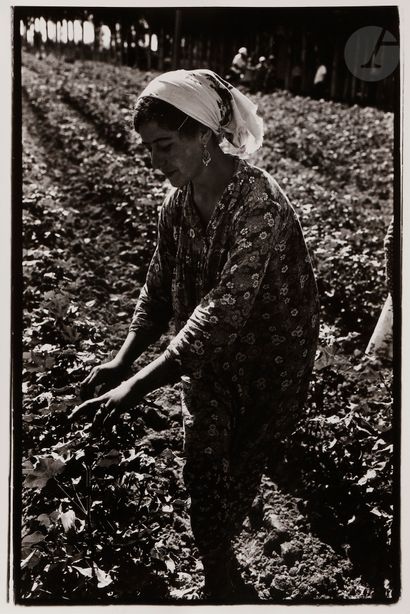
pixel 337 514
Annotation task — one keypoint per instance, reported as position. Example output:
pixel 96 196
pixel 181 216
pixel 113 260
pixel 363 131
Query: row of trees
pixel 85 39
pixel 162 39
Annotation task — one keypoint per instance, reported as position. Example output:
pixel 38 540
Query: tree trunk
pixel 346 87
pixel 191 45
pixel 303 62
pixel 97 29
pixel 256 46
pixel 124 44
pixel 58 38
pixel 288 66
pixel 221 59
pixel 24 36
pixel 149 56
pixel 161 43
pixel 80 44
pixel 353 83
pixel 208 53
pixel 118 43
pixel 177 40
pixel 335 70
pixel 271 44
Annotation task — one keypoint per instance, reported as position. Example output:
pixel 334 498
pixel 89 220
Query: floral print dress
pixel 244 299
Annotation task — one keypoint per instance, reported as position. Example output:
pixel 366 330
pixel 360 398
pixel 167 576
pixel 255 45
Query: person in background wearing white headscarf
pixel 232 268
pixel 238 66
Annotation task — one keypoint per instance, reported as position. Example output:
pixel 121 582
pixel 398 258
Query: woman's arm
pixel 388 256
pixel 136 342
pixel 114 371
pixel 152 312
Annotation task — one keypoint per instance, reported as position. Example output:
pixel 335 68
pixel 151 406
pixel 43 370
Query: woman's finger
pixel 86 407
pixel 86 379
pixel 97 419
pixel 81 409
pixel 90 376
pixel 101 415
pixel 88 385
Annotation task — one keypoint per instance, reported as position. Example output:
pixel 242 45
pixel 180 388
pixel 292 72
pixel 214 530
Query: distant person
pixel 270 77
pixel 238 66
pixel 248 77
pixel 320 81
pixel 260 74
pixel 232 269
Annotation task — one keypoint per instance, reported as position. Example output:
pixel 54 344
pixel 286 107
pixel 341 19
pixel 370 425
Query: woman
pixel 238 65
pixel 232 267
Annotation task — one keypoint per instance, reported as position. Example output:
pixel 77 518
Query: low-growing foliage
pixel 105 515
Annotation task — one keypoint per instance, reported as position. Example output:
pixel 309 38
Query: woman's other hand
pixel 106 407
pixel 109 374
pixel 162 371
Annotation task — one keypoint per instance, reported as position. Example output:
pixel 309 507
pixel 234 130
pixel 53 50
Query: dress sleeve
pixel 153 310
pixel 388 255
pixel 218 319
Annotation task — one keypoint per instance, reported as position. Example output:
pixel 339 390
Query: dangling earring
pixel 206 156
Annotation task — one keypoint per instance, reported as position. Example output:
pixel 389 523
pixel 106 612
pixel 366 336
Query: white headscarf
pixel 214 102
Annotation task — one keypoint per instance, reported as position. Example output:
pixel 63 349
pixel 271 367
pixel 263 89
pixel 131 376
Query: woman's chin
pixel 177 180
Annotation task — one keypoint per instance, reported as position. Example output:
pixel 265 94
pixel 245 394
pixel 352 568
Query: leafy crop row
pixel 344 222
pixel 103 512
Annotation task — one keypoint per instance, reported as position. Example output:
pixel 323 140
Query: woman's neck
pixel 209 186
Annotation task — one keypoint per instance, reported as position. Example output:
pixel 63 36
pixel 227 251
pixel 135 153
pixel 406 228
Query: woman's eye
pixel 159 148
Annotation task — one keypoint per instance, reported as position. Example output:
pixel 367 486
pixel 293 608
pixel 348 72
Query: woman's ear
pixel 205 136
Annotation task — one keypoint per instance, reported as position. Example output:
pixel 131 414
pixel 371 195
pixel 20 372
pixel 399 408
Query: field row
pixel 344 224
pixel 89 230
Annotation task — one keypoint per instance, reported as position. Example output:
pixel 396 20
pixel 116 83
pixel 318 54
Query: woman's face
pixel 178 158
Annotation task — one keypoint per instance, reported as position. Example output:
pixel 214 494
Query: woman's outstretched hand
pixel 105 408
pixel 109 374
